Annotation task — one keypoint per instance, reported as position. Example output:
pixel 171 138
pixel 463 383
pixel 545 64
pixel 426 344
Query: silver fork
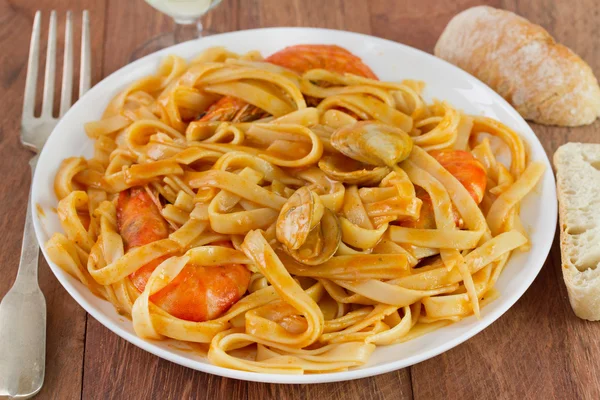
pixel 23 309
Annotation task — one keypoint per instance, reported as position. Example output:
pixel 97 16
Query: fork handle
pixel 28 265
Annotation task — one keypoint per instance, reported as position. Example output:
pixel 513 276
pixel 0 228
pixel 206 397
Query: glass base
pixel 182 33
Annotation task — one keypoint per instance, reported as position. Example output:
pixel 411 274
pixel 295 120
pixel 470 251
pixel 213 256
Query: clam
pixel 308 231
pixel 347 170
pixel 373 143
pixel 298 216
pixel 321 243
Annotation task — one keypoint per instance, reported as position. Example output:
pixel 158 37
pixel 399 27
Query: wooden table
pixel 539 349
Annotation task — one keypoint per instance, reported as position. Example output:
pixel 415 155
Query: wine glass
pixel 187 15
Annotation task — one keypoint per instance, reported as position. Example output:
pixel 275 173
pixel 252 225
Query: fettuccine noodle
pixel 304 213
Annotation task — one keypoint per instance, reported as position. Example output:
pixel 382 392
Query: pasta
pixel 294 206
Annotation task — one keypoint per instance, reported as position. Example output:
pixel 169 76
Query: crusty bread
pixel 578 181
pixel 545 81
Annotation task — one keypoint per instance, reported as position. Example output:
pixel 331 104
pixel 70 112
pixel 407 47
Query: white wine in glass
pixel 188 26
pixel 185 12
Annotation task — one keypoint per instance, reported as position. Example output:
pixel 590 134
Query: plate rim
pixel 148 345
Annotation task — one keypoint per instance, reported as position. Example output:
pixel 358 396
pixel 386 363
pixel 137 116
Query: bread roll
pixel 578 181
pixel 545 81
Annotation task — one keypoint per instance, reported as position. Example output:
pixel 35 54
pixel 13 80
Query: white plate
pixel 390 61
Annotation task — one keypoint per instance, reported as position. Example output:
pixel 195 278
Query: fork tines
pixel 35 130
pixel 49 74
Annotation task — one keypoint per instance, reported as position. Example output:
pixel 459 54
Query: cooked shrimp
pixel 467 170
pixel 232 109
pixel 304 57
pixel 140 222
pixel 198 293
pixel 299 58
pixel 201 293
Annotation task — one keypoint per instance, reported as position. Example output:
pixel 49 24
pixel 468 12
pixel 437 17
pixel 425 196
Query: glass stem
pixel 187 30
pixel 199 28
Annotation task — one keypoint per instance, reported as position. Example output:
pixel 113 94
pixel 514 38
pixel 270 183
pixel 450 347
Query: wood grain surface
pixel 537 350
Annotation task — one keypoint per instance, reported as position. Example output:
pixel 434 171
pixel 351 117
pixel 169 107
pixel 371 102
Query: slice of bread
pixel 578 182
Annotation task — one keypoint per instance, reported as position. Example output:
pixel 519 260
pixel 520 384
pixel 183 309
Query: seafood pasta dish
pixel 291 212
